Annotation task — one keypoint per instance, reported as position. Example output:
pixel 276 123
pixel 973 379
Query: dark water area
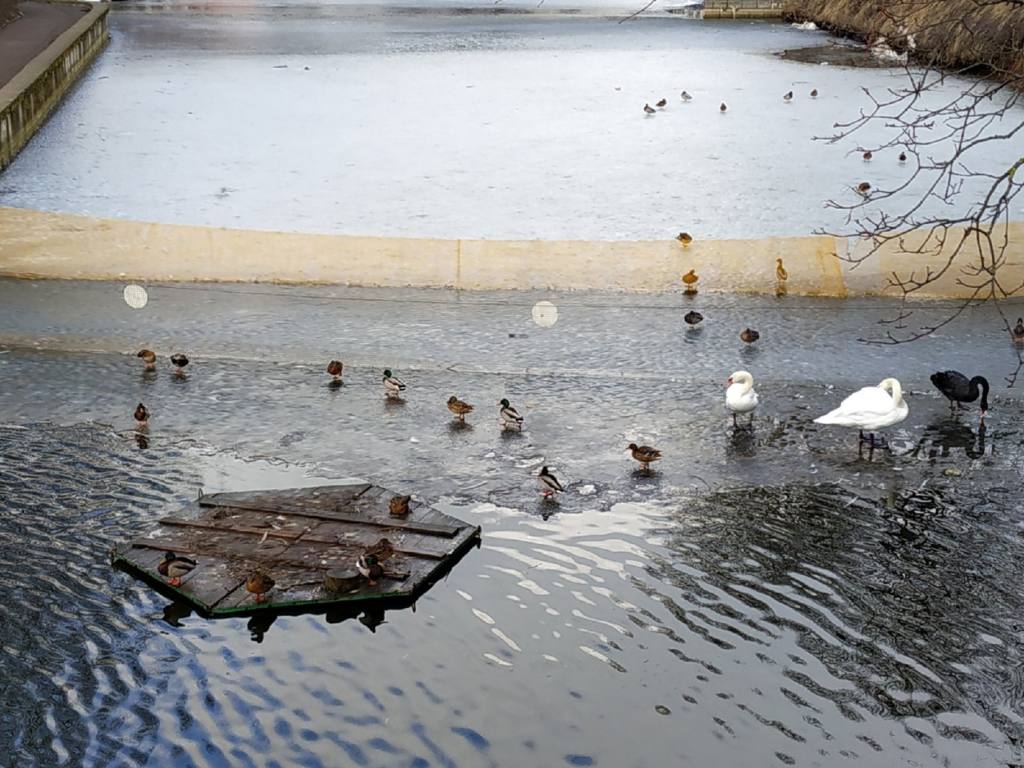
pixel 761 598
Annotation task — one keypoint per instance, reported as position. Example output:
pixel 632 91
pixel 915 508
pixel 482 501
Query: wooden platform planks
pixel 297 536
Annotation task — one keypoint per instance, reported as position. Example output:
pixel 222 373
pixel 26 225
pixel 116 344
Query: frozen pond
pixel 348 119
pixel 764 598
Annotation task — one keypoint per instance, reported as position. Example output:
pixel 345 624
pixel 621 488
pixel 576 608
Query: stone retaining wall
pixel 29 98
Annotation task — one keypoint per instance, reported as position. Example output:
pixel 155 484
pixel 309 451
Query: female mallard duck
pixel 867 155
pixel 382 550
pixel 508 417
pixel 549 484
pixel 787 97
pixel 722 107
pixel 369 566
pixel 1018 331
pixel 174 567
pixel 334 368
pixel 141 415
pixel 259 584
pixel 661 104
pixel 685 238
pixel 780 271
pixel 749 335
pixel 149 358
pixel 179 361
pixel 690 281
pixel 740 396
pixel 862 189
pixel 693 318
pixel 648 109
pixel 685 96
pixel 645 454
pixel 814 93
pixel 459 407
pixel 399 506
pixel 393 388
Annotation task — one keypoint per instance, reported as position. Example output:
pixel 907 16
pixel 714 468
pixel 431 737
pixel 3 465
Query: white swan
pixel 740 396
pixel 870 408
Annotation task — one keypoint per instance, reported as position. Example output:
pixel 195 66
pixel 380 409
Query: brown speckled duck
pixel 335 368
pixel 148 358
pixel 259 584
pixel 141 415
pixel 459 407
pixel 749 335
pixel 399 506
pixel 645 454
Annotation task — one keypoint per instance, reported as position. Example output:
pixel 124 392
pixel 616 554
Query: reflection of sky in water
pixel 442 125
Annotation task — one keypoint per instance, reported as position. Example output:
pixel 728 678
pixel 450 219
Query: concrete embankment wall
pixel 29 98
pixel 35 244
pixel 743 9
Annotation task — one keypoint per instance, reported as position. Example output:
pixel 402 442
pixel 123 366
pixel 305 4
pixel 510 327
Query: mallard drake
pixel 459 407
pixel 685 96
pixel 1017 332
pixel 645 454
pixel 179 361
pixel 648 109
pixel 722 107
pixel 549 484
pixel 740 396
pixel 693 318
pixel 749 335
pixel 780 271
pixel 685 238
pixel 903 157
pixel 867 155
pixel 141 415
pixel 958 389
pixel 870 408
pixel 399 506
pixel 814 93
pixel 787 97
pixel 335 368
pixel 862 189
pixel 174 567
pixel 259 584
pixel 661 104
pixel 393 388
pixel 369 566
pixel 508 416
pixel 149 358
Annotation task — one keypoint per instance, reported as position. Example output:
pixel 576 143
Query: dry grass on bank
pixel 948 33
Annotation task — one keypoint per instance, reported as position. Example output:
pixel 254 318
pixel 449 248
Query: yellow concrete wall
pixel 36 244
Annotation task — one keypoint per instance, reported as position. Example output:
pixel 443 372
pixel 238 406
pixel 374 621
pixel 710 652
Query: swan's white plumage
pixel 870 408
pixel 740 396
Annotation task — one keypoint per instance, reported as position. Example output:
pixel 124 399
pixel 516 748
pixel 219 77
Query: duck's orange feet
pixel 175 582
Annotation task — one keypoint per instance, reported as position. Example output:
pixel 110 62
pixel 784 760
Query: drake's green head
pixel 504 402
pixel 387 373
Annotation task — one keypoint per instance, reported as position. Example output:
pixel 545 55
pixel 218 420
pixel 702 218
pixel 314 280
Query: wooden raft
pixel 297 537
